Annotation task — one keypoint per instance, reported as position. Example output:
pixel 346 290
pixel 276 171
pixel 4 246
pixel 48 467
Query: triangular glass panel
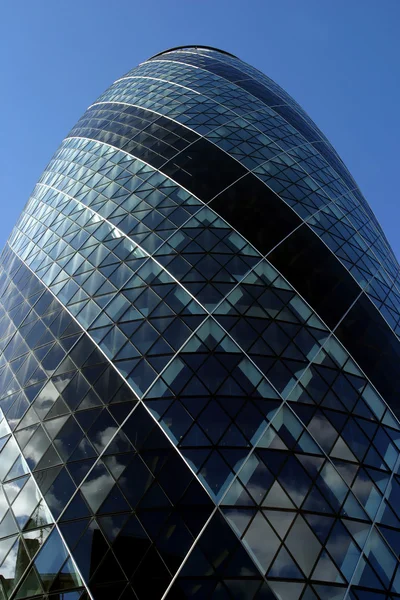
pixel 325 570
pixel 285 590
pixel 284 566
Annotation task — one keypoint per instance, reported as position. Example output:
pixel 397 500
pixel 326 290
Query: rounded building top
pixel 194 46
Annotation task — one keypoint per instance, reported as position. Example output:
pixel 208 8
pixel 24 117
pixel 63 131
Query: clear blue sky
pixel 340 59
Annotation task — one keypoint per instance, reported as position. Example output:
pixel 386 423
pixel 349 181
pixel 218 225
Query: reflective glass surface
pixel 199 350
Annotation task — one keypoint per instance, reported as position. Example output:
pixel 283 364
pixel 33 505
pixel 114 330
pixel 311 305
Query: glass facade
pixel 199 350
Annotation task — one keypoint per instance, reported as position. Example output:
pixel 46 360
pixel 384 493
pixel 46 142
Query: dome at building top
pixel 193 47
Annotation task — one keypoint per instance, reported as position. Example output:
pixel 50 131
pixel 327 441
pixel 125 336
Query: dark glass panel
pixel 374 346
pixel 256 212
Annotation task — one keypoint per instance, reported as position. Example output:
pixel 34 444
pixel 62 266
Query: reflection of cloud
pixel 276 497
pixel 323 432
pixel 3 501
pixel 116 467
pixel 8 568
pixel 346 554
pixel 261 540
pixel 238 519
pixel 49 392
pixel 26 502
pixel 84 448
pixel 12 564
pixel 301 537
pixel 8 456
pixel 96 490
pixel 281 521
pixel 36 447
pixel 367 493
pixel 348 471
pixel 54 503
pixel 296 490
pixel 111 529
pixel 248 469
pixel 103 437
pixel 284 566
pixel 312 464
pixel 256 491
pixel 32 380
pixel 334 482
pixel 46 398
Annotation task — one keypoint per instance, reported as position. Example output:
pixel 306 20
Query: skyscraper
pixel 199 360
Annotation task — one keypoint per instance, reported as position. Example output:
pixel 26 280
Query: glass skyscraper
pixel 199 355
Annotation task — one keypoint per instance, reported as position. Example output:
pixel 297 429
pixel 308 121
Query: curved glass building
pixel 199 355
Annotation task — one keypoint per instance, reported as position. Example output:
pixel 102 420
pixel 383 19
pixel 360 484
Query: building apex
pixel 194 46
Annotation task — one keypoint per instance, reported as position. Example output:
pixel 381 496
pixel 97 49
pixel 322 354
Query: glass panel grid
pixel 198 355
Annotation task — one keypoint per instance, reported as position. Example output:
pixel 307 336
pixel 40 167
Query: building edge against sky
pixel 199 328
